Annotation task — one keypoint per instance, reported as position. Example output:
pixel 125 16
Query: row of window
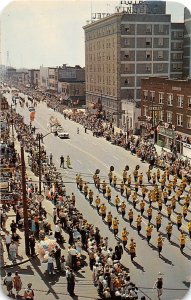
pixel 148 28
pixel 169 118
pixel 148 54
pixel 169 98
pixel 108 91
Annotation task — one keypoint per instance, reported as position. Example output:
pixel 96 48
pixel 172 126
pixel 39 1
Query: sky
pixel 50 33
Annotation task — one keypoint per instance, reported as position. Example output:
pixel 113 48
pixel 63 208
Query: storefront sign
pixel 176 88
pixel 131 7
pixel 167 132
pixel 4 183
pixel 7 198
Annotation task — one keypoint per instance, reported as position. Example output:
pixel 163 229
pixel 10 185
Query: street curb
pixel 17 264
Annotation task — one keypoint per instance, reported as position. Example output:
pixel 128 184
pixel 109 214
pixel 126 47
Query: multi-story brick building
pixel 168 103
pixel 72 93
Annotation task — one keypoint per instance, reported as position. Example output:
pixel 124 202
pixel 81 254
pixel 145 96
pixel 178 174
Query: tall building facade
pixel 176 53
pixel 187 44
pixel 120 50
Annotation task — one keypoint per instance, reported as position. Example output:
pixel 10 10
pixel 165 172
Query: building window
pixel 180 100
pixel 127 28
pixel 169 99
pixel 145 93
pixel 148 54
pixel 161 28
pixel 148 41
pixel 152 97
pixel 161 97
pixel 174 66
pixel 160 41
pixel 126 81
pixel 126 42
pixel 161 115
pixel 145 110
pixel 180 34
pixel 189 122
pixel 189 102
pixel 148 28
pixel 126 55
pixel 160 54
pixel 148 68
pixel 160 67
pixel 179 120
pixel 169 116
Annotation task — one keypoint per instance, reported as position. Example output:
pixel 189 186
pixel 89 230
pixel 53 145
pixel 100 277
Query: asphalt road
pixel 89 153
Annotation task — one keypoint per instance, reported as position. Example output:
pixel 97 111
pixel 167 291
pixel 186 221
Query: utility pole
pixel 127 128
pixel 12 121
pixel 39 162
pixel 25 207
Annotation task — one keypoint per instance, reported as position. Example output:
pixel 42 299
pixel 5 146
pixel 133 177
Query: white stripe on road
pixel 90 171
pixel 115 157
pixel 79 161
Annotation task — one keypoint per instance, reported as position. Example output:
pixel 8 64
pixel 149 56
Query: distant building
pixel 72 93
pixel 34 77
pixel 44 82
pixel 71 74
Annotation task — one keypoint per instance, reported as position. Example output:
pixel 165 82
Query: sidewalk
pixel 84 274
pixel 22 258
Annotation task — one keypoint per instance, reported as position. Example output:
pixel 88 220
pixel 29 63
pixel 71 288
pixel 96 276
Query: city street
pixel 88 153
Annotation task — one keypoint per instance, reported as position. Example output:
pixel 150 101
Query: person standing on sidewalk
pixel 13 251
pixel 8 241
pixel 62 161
pixel 8 281
pixel 70 282
pixel 57 256
pixel 17 283
pixel 29 293
pixel 32 245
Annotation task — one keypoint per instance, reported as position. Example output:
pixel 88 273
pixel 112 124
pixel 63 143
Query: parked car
pixel 63 135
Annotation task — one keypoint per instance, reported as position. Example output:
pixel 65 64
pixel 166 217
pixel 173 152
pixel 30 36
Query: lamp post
pixel 25 208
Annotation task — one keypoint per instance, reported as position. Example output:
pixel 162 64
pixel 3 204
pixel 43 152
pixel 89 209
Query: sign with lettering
pixel 7 198
pixel 176 88
pixel 133 7
pixel 155 108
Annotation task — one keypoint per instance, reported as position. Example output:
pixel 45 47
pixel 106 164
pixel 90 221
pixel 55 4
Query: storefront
pixel 165 137
pixel 187 150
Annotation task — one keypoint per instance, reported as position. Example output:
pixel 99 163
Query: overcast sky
pixel 50 33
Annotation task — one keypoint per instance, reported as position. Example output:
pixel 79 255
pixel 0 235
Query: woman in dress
pixel 17 283
pixel 8 281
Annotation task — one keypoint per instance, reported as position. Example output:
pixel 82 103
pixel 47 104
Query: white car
pixel 63 135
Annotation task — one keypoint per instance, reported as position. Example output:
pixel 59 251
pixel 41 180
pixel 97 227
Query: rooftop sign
pixel 134 7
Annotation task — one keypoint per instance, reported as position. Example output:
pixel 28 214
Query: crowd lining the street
pixel 111 278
